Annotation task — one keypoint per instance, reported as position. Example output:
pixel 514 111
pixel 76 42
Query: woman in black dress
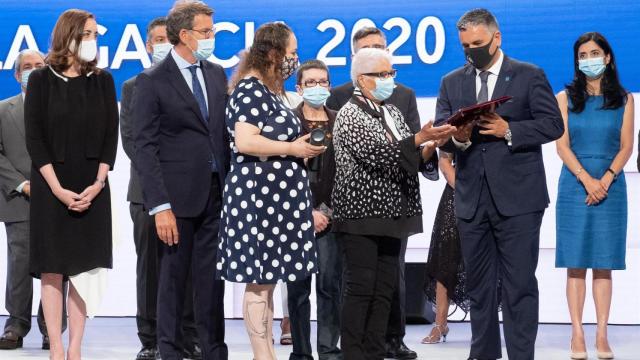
pixel 445 277
pixel 71 119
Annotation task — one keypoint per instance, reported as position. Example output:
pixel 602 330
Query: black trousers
pixel 492 244
pixel 328 293
pixel 370 278
pixel 195 253
pixel 147 245
pixel 19 287
pixel 397 317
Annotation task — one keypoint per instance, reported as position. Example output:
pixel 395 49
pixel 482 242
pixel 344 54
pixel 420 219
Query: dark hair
pixel 308 65
pixel 366 31
pixel 613 92
pixel 477 17
pixel 68 30
pixel 182 16
pixel 159 21
pixel 265 56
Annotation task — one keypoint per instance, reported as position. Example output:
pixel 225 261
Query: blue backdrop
pixel 421 33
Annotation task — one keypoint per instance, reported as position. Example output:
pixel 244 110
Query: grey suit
pixel 15 168
pixel 146 240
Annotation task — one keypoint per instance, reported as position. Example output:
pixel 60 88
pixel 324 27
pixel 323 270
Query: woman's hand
pixel 596 191
pixel 72 200
pixel 320 221
pixel 429 148
pixel 428 132
pixel 302 149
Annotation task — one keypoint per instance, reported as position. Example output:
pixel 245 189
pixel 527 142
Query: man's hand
pixel 494 124
pixel 26 189
pixel 320 221
pixel 167 227
pixel 463 133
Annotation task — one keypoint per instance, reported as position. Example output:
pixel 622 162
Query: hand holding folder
pixel 471 113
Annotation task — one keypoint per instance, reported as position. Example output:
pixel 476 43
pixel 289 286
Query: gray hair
pixel 365 60
pixel 477 17
pixel 18 64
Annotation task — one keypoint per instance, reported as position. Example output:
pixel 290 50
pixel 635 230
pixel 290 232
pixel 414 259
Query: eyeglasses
pixel 207 33
pixel 384 74
pixel 313 83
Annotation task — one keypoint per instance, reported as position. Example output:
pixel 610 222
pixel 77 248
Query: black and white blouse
pixel 376 191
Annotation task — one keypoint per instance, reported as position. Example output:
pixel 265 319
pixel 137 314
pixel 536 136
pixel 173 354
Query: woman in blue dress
pixel 591 211
pixel 266 229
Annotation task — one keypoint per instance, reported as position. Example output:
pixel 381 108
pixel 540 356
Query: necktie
pixel 198 93
pixel 483 95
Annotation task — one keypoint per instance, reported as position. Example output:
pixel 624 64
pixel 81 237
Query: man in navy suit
pixel 182 156
pixel 501 190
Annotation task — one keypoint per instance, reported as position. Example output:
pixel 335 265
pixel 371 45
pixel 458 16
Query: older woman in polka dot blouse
pixel 266 232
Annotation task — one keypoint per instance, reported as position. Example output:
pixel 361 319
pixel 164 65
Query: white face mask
pixel 160 51
pixel 88 50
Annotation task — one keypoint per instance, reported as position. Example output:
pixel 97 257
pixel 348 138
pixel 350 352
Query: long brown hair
pixel 68 30
pixel 265 56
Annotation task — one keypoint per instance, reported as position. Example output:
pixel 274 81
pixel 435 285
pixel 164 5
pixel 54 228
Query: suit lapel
pixel 504 79
pixel 212 94
pixel 17 113
pixel 468 87
pixel 178 82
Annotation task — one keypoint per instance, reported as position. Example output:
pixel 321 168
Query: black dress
pixel 63 241
pixel 445 257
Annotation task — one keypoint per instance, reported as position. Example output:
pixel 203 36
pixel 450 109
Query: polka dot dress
pixel 266 224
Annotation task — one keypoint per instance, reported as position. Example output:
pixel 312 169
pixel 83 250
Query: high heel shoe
pixel 441 335
pixel 577 355
pixel 604 354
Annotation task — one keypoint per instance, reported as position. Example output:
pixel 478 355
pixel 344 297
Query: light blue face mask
pixel 205 49
pixel 24 78
pixel 315 96
pixel 593 67
pixel 384 88
pixel 160 51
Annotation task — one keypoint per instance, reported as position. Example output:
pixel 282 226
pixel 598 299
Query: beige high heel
pixel 443 331
pixel 604 354
pixel 577 355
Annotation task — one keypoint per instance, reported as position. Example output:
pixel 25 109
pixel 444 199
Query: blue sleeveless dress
pixel 592 237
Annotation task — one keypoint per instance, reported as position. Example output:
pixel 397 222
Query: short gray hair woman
pixel 376 198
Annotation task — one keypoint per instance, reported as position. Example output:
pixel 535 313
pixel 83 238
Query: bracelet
pixel 102 182
pixel 577 174
pixel 615 176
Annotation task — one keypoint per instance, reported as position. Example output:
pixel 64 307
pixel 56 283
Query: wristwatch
pixel 507 137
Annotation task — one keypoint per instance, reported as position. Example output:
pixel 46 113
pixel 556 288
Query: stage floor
pixel 115 338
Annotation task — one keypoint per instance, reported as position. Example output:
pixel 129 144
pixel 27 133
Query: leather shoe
pixel 192 352
pixel 147 353
pixel 46 344
pixel 10 341
pixel 396 349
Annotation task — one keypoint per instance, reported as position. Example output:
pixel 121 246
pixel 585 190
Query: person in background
pixel 182 156
pixel 591 209
pixel 404 99
pixel 445 276
pixel 267 232
pixel 71 126
pixel 313 83
pixel 376 199
pixel 144 228
pixel 501 191
pixel 15 172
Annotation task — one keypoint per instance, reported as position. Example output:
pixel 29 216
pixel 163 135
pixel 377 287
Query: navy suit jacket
pixel 515 174
pixel 173 143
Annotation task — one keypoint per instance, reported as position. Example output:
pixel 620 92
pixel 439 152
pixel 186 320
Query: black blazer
pixel 403 98
pixel 134 192
pixel 45 133
pixel 515 175
pixel 173 146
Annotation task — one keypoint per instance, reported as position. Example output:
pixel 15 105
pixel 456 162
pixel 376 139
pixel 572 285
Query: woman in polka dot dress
pixel 266 231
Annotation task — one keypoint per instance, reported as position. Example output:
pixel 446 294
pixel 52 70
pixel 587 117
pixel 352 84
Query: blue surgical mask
pixel 593 67
pixel 160 51
pixel 315 96
pixel 24 78
pixel 205 49
pixel 384 88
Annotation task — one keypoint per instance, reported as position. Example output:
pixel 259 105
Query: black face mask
pixel 480 57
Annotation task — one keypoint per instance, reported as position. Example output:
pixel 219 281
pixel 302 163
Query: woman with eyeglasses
pixel 376 199
pixel 591 209
pixel 71 121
